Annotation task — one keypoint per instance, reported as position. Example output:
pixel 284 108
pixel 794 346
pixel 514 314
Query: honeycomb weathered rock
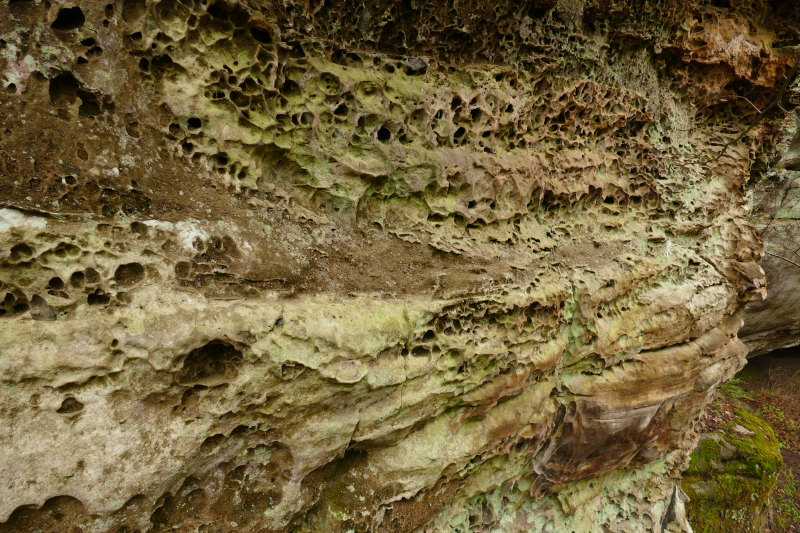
pixel 378 266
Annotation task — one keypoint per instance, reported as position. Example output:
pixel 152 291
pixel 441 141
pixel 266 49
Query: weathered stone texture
pixel 774 323
pixel 380 266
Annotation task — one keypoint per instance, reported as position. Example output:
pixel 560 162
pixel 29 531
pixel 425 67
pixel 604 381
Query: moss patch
pixel 732 476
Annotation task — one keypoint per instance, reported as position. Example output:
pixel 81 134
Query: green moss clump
pixel 732 477
pixel 704 457
pixel 761 452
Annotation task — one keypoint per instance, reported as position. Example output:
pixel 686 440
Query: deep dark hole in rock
pixel 261 36
pixel 63 89
pixel 69 19
pixel 785 361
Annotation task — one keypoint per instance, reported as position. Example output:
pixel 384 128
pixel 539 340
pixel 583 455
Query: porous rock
pixel 371 266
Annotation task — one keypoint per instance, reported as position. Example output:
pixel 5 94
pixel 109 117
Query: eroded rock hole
pixel 68 19
pixel 290 88
pixel 215 363
pixel 341 111
pixel 218 11
pixel 99 297
pixel 261 36
pixel 20 252
pixel 132 129
pixel 89 107
pixel 162 63
pixel 63 89
pixel 384 135
pixel 129 274
pixel 290 371
pixel 77 279
pixel 40 310
pixel 183 269
pixel 133 10
pixel 69 405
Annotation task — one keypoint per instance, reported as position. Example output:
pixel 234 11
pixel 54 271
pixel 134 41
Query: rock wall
pixel 774 323
pixel 379 266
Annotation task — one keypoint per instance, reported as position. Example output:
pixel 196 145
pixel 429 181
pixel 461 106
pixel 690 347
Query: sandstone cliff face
pixel 774 323
pixel 381 266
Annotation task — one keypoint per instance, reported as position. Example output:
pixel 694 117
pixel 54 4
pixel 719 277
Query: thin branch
pixel 725 98
pixel 781 257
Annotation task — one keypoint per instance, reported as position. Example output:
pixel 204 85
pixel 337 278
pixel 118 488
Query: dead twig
pixel 781 257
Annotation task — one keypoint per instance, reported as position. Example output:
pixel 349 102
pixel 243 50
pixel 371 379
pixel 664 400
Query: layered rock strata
pixel 386 266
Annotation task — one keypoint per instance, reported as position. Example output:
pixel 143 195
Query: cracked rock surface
pixel 396 266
